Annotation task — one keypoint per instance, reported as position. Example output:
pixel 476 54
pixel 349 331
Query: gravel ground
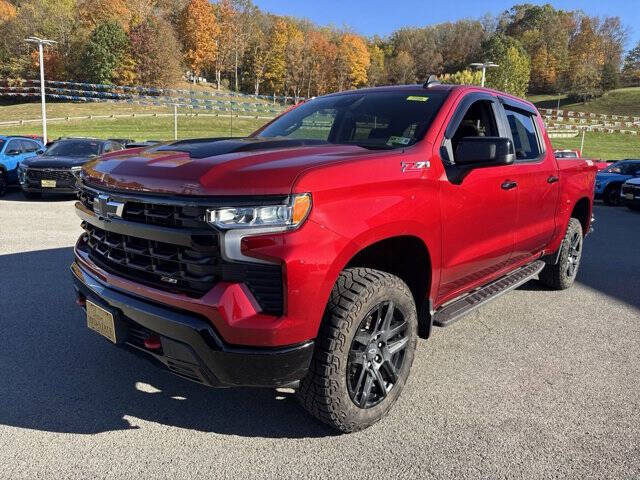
pixel 534 385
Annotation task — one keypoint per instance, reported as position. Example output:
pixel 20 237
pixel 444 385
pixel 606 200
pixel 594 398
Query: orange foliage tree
pixel 199 34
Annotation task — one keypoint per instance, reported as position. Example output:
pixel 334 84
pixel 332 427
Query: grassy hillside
pixel 623 101
pixel 140 128
pixel 597 145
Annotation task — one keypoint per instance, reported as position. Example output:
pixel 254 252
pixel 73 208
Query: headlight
pixel 287 215
pixel 76 171
pixel 237 223
pixel 22 173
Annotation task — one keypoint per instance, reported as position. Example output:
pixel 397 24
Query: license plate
pixel 628 196
pixel 101 321
pixel 48 183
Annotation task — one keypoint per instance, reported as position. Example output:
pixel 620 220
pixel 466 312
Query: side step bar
pixel 454 310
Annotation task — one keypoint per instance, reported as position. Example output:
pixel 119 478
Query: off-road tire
pixel 556 276
pixel 31 195
pixel 611 195
pixel 324 392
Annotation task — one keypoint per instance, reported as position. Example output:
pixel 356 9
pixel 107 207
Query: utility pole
pixel 41 42
pixel 484 66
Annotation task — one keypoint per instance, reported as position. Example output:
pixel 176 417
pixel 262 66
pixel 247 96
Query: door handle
pixel 552 179
pixel 509 184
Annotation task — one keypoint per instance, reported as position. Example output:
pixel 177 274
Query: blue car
pixel 609 181
pixel 13 150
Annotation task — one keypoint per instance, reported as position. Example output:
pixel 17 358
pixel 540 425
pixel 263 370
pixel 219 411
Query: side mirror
pixel 484 152
pixel 39 152
pixel 13 152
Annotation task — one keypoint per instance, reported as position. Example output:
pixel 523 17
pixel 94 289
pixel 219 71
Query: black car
pixel 56 169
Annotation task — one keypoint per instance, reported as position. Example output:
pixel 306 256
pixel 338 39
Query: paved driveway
pixel 534 385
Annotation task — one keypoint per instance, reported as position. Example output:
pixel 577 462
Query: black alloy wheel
pixel 376 355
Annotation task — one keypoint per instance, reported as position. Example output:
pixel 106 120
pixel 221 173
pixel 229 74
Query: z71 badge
pixel 414 166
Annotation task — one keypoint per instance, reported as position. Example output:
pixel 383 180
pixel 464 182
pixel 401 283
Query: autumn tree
pixel 227 24
pixel 153 50
pixel 199 33
pixel 323 53
pixel 376 73
pixel 586 60
pixel 352 62
pixel 421 44
pixel 7 11
pixel 104 52
pixel 296 61
pixel 276 65
pixel 402 68
pixel 95 12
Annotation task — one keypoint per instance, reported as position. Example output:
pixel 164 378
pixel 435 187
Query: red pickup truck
pixel 313 253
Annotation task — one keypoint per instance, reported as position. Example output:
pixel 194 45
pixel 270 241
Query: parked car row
pixel 619 183
pixel 39 169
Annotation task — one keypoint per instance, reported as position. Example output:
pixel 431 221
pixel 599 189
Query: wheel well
pixel 405 257
pixel 582 212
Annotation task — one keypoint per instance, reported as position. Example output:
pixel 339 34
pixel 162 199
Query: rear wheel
pixel 561 275
pixel 611 195
pixel 364 350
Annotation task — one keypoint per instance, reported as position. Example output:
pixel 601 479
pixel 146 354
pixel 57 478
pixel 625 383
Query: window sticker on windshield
pixel 398 140
pixel 417 98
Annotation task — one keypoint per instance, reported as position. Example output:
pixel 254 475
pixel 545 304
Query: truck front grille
pixel 192 270
pixel 162 265
pixel 59 175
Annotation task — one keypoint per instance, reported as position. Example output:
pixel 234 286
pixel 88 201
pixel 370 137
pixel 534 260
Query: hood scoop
pixel 211 147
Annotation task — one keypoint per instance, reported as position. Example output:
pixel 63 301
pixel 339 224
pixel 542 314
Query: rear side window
pixel 14 145
pixel 29 146
pixel 524 133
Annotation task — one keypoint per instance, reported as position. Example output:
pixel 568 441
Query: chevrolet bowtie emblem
pixel 107 208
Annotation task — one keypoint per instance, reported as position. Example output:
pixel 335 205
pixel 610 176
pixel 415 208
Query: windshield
pixel 384 120
pixel 74 148
pixel 624 168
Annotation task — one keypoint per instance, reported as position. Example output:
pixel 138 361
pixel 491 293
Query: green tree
pixel 512 74
pixel 631 69
pixel 107 46
pixel 463 77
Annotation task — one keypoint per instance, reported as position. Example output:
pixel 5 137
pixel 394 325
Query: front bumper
pixel 30 180
pixel 190 347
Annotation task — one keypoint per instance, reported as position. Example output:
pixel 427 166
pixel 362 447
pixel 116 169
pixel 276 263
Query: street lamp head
pixel 38 40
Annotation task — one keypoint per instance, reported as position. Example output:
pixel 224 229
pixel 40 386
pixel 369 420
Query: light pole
pixel 41 42
pixel 484 66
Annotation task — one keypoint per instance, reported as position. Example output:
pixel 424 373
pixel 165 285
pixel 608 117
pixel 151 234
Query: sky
pixel 369 17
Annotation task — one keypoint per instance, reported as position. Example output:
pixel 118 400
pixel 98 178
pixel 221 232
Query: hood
pixel 633 181
pixel 45 161
pixel 609 175
pixel 247 166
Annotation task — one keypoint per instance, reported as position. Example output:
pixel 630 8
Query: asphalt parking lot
pixel 534 385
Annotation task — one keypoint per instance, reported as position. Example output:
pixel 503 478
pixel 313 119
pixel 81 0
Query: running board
pixel 448 314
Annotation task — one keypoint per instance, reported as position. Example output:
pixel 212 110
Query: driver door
pixel 478 208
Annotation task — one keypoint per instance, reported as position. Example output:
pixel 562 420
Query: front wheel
pixel 611 195
pixel 3 183
pixel 561 275
pixel 364 350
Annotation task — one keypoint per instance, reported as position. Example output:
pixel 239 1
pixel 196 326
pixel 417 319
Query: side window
pixel 108 147
pixel 29 146
pixel 524 133
pixel 478 121
pixel 14 145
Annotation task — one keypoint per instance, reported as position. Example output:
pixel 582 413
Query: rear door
pixel 537 177
pixel 13 155
pixel 479 209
